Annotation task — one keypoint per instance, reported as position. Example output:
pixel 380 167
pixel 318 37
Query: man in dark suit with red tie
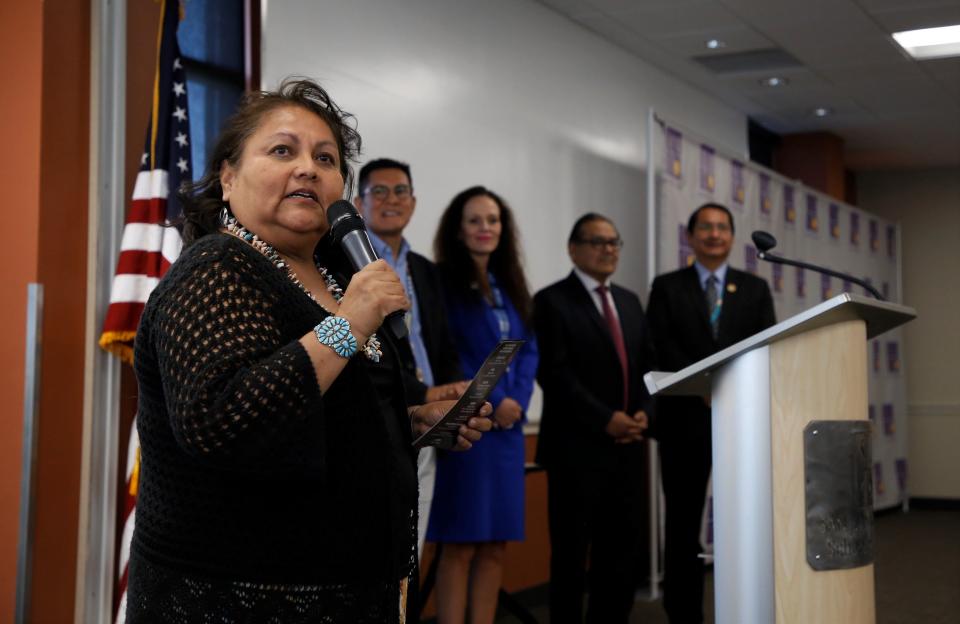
pixel 594 350
pixel 693 313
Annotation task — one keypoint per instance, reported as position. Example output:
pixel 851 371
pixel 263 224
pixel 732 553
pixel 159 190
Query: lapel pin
pixel 731 288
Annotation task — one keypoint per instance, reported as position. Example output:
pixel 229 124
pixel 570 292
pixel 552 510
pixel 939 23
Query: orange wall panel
pixel 21 43
pixel 45 125
pixel 62 255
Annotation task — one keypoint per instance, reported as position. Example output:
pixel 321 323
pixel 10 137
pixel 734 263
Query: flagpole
pixel 98 505
pixel 147 247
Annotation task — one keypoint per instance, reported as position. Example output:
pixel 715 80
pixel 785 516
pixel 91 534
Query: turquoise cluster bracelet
pixel 334 331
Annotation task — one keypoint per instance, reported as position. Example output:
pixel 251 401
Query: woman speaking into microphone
pixel 278 482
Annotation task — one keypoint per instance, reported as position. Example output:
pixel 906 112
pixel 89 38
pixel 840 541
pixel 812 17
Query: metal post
pixel 31 413
pixel 743 491
pixel 97 531
pixel 653 466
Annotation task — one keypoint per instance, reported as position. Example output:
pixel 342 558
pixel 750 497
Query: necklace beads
pixel 371 349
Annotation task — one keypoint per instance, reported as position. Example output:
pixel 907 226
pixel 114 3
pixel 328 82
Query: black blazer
pixel 444 359
pixel 580 373
pixel 680 324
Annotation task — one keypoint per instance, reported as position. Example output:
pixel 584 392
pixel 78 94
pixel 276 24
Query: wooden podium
pixel 792 480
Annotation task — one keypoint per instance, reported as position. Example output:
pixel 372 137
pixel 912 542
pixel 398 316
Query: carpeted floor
pixel 917 573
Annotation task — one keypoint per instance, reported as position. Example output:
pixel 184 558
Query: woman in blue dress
pixel 478 504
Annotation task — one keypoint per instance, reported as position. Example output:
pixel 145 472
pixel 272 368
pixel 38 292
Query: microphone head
pixel 343 219
pixel 763 240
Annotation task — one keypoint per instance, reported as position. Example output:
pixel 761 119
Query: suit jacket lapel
pixel 732 296
pixel 585 303
pixel 696 296
pixel 628 324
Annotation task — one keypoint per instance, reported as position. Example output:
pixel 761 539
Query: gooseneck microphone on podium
pixel 348 230
pixel 765 242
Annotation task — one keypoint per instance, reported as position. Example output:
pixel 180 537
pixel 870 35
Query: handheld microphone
pixel 765 242
pixel 348 230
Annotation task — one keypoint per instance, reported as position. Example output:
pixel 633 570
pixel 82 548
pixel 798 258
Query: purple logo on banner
pixel 855 229
pixel 737 192
pixel 812 224
pixel 834 221
pixel 707 180
pixel 891 241
pixel 877 359
pixel 878 479
pixel 674 150
pixel 893 357
pixel 874 235
pixel 686 251
pixel 801 283
pixel 789 212
pixel 889 427
pixel 778 278
pixel 901 466
pixel 885 290
pixel 766 204
pixel 750 258
pixel 825 289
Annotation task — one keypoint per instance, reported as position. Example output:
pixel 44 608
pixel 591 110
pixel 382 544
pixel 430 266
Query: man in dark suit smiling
pixel 431 364
pixel 594 351
pixel 693 313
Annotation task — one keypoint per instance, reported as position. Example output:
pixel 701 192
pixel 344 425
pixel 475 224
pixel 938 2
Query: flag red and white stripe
pixel 151 241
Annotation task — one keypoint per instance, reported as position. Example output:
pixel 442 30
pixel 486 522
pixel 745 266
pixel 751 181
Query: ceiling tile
pixel 879 6
pixel 616 7
pixel 736 39
pixel 913 17
pixel 764 14
pixel 673 20
pixel 891 110
pixel 897 97
pixel 570 8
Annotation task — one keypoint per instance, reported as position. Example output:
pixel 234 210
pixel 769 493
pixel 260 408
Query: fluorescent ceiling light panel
pixel 930 43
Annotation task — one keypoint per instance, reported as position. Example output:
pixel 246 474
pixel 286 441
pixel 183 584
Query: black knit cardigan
pixel 248 473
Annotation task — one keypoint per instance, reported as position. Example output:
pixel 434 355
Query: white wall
pixel 504 93
pixel 927 205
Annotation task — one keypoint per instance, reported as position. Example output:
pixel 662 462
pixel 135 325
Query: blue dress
pixel 479 495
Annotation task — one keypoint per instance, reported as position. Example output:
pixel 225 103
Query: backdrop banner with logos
pixel 809 226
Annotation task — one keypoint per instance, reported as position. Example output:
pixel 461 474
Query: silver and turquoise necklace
pixel 371 349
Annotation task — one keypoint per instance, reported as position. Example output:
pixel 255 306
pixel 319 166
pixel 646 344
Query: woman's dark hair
pixel 458 268
pixel 202 200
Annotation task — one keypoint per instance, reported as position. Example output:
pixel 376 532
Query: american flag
pixel 149 246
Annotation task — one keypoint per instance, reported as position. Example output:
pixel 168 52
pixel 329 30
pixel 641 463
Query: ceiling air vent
pixel 750 61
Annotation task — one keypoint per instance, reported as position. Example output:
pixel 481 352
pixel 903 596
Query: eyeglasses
pixel 600 243
pixel 381 192
pixel 723 228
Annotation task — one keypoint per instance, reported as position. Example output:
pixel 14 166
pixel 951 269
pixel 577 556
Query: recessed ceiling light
pixel 822 111
pixel 930 43
pixel 774 81
pixel 716 44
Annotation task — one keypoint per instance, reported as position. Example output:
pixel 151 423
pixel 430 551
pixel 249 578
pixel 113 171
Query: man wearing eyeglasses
pixel 693 313
pixel 432 372
pixel 595 349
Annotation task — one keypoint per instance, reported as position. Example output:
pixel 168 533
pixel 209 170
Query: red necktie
pixel 614 326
